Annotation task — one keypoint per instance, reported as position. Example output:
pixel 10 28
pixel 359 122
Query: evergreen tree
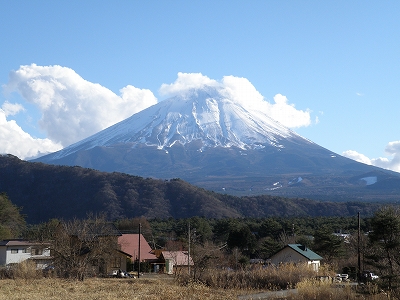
pixel 383 251
pixel 242 238
pixel 11 221
pixel 328 245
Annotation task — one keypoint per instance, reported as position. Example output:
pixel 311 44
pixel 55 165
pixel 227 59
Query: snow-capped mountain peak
pixel 205 115
pixel 211 139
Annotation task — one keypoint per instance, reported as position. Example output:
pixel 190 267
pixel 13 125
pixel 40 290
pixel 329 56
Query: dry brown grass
pixel 313 289
pixel 104 288
pixel 270 278
pixel 213 284
pixel 24 270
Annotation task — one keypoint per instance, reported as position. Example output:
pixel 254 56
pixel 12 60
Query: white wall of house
pixel 314 264
pixel 288 255
pixel 19 253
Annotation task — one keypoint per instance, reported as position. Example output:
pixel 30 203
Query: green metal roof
pixel 306 252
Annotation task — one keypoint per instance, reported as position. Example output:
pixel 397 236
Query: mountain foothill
pixel 47 191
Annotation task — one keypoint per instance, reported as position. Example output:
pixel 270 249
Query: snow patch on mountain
pixel 275 186
pixel 295 180
pixel 370 180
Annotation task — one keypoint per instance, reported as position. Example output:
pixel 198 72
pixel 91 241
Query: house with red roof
pixel 129 243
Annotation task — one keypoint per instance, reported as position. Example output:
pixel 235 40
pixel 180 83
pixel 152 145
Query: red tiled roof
pixel 130 244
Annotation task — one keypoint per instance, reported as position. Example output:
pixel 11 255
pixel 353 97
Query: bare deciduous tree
pixel 80 245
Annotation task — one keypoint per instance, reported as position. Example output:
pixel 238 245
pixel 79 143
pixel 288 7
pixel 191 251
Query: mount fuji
pixel 209 139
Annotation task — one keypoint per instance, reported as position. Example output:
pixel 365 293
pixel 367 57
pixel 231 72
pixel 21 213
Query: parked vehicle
pixel 368 275
pixel 341 277
pixel 120 274
pixel 345 277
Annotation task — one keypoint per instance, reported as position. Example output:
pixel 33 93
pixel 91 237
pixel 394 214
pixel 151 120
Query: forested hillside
pixel 48 191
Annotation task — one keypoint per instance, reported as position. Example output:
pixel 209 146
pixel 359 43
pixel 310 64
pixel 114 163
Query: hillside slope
pixel 48 191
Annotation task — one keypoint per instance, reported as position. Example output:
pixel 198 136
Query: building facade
pixel 17 251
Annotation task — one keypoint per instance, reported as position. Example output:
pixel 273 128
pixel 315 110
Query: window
pixel 116 262
pixel 36 251
pixel 14 251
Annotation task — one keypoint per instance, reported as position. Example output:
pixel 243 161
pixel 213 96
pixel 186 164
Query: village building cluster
pixel 133 248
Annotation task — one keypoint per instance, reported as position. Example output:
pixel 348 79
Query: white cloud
pixel 73 108
pixel 185 82
pixel 392 149
pixel 242 91
pixel 11 109
pixel 17 142
pixel 142 98
pixel 287 114
pixel 393 163
pixel 357 157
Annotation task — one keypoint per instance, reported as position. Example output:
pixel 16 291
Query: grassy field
pixel 210 284
pixel 156 288
pixel 104 288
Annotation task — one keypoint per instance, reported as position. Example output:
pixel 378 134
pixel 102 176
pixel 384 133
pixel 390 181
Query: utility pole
pixel 140 233
pixel 189 248
pixel 359 249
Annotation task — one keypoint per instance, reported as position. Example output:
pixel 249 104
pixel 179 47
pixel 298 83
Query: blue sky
pixel 70 68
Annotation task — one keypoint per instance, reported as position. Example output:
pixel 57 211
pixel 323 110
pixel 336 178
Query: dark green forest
pixel 254 237
pixel 47 191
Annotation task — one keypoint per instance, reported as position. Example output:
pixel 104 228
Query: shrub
pixel 24 270
pixel 314 289
pixel 270 277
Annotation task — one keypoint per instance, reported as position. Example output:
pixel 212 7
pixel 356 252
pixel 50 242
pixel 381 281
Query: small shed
pixel 296 253
pixel 176 260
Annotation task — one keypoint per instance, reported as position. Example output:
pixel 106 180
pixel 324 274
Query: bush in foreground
pixel 313 289
pixel 270 277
